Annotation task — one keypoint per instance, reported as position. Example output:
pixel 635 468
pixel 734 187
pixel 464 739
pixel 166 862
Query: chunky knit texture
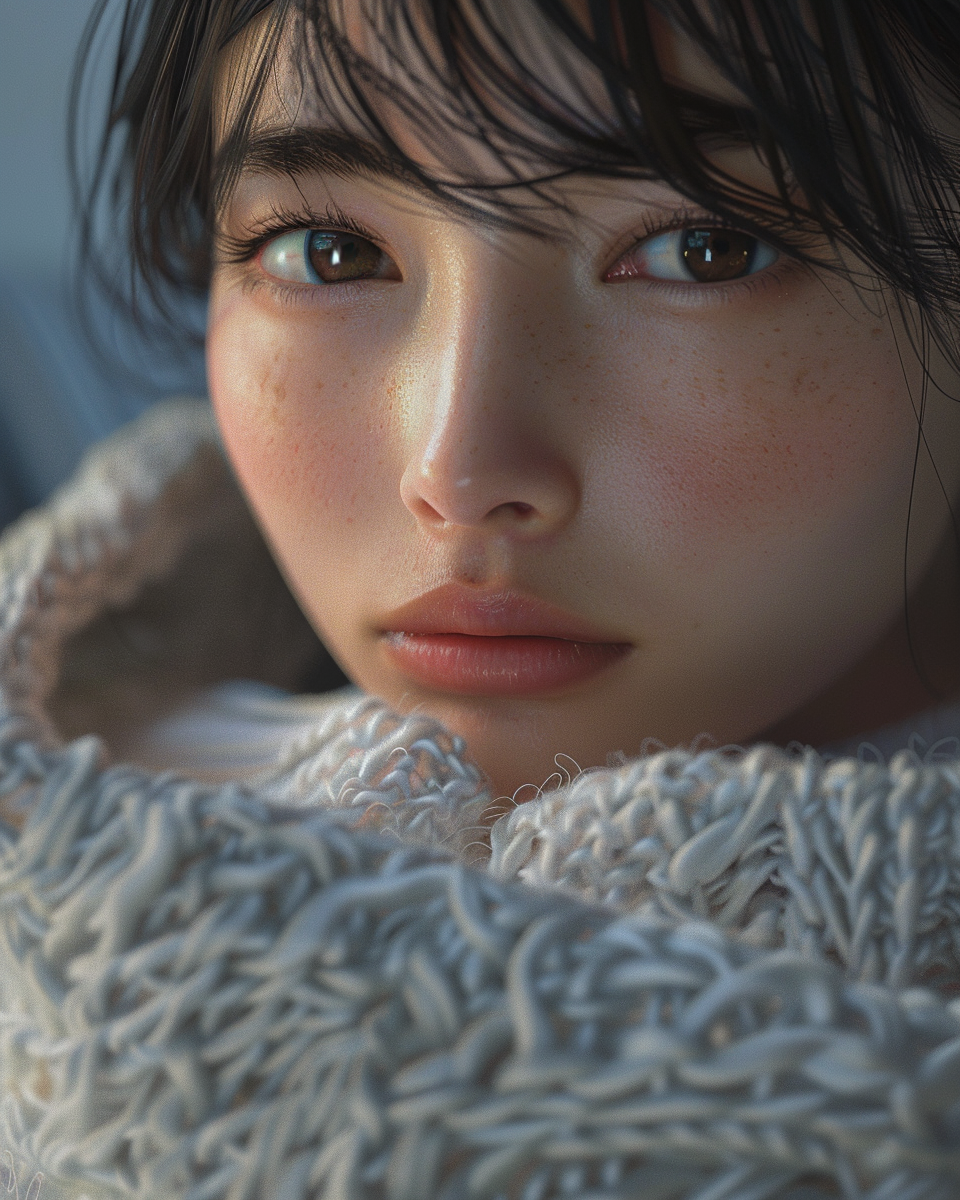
pixel 712 976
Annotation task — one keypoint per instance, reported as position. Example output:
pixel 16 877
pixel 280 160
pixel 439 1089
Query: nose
pixel 488 448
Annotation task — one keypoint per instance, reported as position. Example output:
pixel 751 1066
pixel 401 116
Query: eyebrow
pixel 297 150
pixel 305 150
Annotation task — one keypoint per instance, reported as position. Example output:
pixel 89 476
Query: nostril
pixel 439 498
pixel 511 509
pixel 424 511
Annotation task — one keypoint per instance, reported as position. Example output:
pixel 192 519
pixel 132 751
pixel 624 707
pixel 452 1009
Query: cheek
pixel 747 440
pixel 288 409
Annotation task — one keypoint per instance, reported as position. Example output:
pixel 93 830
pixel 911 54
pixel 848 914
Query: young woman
pixel 590 370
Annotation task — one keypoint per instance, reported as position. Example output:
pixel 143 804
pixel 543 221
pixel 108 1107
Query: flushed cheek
pixel 298 439
pixel 810 446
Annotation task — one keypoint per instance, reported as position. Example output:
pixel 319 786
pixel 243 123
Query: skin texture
pixel 718 474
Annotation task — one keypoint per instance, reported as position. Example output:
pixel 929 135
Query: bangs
pixel 503 102
pixel 851 105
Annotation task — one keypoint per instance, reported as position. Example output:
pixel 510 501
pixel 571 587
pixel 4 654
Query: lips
pixel 468 642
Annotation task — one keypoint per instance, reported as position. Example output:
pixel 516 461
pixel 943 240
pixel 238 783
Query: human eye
pixel 695 254
pixel 324 256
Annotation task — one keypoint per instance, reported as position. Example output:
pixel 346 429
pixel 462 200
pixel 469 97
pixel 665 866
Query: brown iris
pixel 338 257
pixel 716 255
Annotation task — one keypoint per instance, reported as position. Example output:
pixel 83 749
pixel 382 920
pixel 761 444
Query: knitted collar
pixel 708 979
pixel 145 582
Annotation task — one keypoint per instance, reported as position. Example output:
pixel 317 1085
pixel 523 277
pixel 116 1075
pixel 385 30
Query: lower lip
pixel 498 666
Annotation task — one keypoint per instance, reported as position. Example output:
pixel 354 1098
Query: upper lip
pixel 454 608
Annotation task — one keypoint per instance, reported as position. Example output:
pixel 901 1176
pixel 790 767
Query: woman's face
pixel 639 480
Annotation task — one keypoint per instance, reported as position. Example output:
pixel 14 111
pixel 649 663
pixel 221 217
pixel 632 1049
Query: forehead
pixel 539 77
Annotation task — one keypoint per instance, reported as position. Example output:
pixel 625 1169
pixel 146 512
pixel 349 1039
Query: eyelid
pixel 239 249
pixel 678 221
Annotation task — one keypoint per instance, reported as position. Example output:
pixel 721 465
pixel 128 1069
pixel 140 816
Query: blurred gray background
pixel 56 395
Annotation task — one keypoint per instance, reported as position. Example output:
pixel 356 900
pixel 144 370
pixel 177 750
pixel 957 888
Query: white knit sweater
pixel 711 976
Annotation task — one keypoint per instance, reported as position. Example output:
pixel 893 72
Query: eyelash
pixel 243 250
pixel 685 218
pixel 239 250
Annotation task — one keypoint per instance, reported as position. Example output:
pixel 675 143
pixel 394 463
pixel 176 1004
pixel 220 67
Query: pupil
pixel 715 255
pixel 345 253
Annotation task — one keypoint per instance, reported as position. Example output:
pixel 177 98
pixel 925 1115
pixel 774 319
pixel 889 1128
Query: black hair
pixel 853 104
